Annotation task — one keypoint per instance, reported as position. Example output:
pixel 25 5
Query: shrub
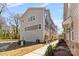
pixel 38 41
pixel 24 42
pixel 49 51
pixel 19 42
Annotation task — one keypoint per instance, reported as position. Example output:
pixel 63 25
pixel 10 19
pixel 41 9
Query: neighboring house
pixel 71 25
pixel 36 24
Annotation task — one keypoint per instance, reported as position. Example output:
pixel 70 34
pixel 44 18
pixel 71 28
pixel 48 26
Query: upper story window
pixel 46 12
pixel 39 26
pixel 31 18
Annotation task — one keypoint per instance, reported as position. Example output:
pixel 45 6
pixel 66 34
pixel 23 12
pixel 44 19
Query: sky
pixel 56 10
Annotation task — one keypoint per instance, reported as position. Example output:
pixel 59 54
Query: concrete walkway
pixel 41 51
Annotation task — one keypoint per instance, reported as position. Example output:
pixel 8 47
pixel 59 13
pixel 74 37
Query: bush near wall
pixel 49 51
pixel 24 42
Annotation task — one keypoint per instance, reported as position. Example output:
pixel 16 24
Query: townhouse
pixel 71 26
pixel 37 25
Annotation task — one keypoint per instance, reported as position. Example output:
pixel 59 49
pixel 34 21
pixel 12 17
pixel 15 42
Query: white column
pixel 71 36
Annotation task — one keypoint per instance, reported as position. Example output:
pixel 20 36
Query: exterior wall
pixel 22 29
pixel 32 35
pixel 50 28
pixel 74 15
pixel 46 26
pixel 65 10
pixel 74 18
pixel 74 47
pixel 40 16
pixel 78 22
pixel 74 42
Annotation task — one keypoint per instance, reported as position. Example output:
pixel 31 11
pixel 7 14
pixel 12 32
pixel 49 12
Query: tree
pixel 16 20
pixel 2 21
pixel 15 25
pixel 2 7
pixel 13 20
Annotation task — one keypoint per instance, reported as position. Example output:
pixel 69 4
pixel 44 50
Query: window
pixel 31 18
pixel 46 24
pixel 68 30
pixel 39 26
pixel 34 27
pixel 25 29
pixel 46 12
pixel 72 35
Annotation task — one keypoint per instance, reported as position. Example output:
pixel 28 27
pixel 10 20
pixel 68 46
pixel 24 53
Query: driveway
pixel 41 51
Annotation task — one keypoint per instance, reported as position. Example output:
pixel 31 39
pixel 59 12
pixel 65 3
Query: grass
pixel 21 51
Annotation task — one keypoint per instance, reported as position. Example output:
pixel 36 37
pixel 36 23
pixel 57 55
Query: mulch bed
pixel 62 49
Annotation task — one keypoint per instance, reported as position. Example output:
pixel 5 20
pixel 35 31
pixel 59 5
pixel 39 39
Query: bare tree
pixel 14 22
pixel 2 21
pixel 2 7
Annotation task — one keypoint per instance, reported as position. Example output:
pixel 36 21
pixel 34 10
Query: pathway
pixel 41 51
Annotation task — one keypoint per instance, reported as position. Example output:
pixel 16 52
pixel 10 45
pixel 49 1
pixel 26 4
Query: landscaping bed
pixel 61 49
pixel 16 50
